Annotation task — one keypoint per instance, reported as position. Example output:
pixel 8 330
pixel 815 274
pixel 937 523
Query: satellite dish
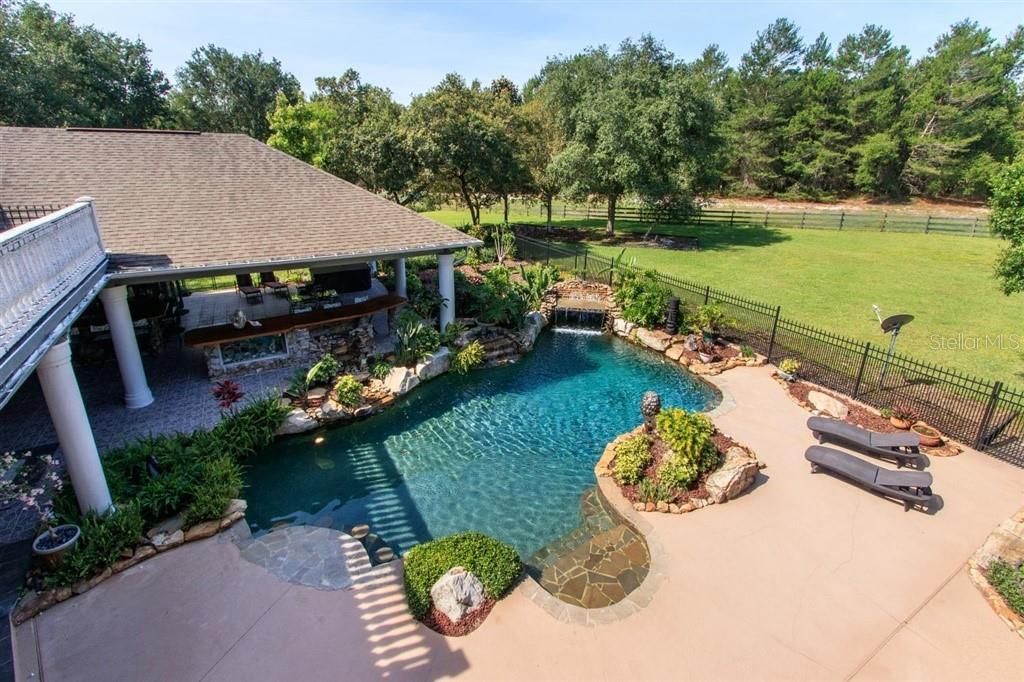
pixel 894 322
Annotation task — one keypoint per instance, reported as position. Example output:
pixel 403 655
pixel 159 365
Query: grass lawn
pixel 830 279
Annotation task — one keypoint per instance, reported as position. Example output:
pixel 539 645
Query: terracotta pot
pixel 899 423
pixel 931 438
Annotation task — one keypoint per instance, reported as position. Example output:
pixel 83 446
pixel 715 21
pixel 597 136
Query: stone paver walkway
pixel 316 557
pixel 803 577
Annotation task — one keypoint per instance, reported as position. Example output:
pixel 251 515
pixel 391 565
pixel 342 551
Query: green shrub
pixel 746 351
pixel 380 369
pixel 689 437
pixel 415 341
pixel 245 431
pixel 451 333
pixel 537 279
pixel 642 297
pixel 469 356
pixel 219 481
pixel 789 365
pixel 323 371
pixel 661 490
pixel 498 300
pixel 102 541
pixel 1009 583
pixel 632 456
pixel 348 391
pixel 496 564
pixel 710 318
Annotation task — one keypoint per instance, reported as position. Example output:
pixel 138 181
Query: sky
pixel 409 46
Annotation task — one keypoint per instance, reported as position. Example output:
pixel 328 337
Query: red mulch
pixel 660 452
pixel 859 415
pixel 440 623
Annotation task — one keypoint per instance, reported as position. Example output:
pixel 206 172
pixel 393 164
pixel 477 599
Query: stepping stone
pixel 384 554
pixel 359 532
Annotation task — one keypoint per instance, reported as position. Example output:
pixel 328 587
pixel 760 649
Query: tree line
pixel 793 119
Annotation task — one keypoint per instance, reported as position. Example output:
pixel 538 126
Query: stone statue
pixel 238 320
pixel 650 406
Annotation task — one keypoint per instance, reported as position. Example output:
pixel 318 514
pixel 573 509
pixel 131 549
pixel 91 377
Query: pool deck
pixel 803 577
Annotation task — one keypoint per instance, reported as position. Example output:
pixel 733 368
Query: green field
pixel 831 279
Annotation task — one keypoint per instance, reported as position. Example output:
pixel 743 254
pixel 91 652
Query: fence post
pixel 588 211
pixel 732 217
pixel 611 273
pixel 766 219
pixel 927 224
pixel 699 212
pixel 775 326
pixel 860 372
pixel 564 207
pixel 842 219
pixel 885 217
pixel 986 417
pixel 586 251
pixel 707 294
pixel 974 227
pixel 547 258
pixel 803 217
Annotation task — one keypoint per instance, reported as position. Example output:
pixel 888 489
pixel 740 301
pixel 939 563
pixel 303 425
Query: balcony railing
pixel 50 268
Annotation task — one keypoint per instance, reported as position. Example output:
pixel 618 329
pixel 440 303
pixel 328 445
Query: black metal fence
pixel 13 216
pixel 984 414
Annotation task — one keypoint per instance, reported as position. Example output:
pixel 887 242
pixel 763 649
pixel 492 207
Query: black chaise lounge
pixel 901 448
pixel 245 288
pixel 910 487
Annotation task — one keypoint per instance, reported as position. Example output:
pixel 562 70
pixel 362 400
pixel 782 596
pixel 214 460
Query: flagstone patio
pixel 803 577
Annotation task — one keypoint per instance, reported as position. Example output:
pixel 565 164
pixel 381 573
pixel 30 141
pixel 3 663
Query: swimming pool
pixel 507 451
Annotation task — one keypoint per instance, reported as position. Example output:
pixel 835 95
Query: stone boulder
pixel 332 410
pixel 436 364
pixel 622 328
pixel 827 404
pixel 532 327
pixel 733 477
pixel 297 421
pixel 675 352
pixel 401 380
pixel 655 339
pixel 457 593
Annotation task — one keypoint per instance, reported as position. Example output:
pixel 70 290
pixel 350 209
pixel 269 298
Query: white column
pixel 126 347
pixel 67 411
pixel 400 278
pixel 446 287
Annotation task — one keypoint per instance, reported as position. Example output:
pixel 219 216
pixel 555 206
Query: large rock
pixel 532 327
pixel 297 421
pixel 621 327
pixel 675 352
pixel 827 404
pixel 401 380
pixel 654 339
pixel 457 593
pixel 332 410
pixel 436 364
pixel 733 477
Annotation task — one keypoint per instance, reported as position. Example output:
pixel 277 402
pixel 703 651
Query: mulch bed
pixel 441 624
pixel 859 415
pixel 723 351
pixel 661 452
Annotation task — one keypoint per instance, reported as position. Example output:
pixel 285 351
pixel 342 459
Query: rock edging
pixel 162 537
pixel 1005 542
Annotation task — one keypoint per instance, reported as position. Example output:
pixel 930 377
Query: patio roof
pixel 180 202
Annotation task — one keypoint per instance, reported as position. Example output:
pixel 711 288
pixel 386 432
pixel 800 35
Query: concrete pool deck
pixel 804 577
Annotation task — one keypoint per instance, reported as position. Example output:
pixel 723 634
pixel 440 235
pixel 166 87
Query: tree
pixel 962 111
pixel 636 121
pixel 219 91
pixel 56 73
pixel 1007 219
pixel 541 143
pixel 458 138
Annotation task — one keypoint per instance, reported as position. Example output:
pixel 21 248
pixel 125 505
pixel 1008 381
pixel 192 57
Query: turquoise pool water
pixel 507 451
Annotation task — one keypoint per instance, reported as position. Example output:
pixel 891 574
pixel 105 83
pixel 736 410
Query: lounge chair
pixel 900 447
pixel 910 487
pixel 245 289
pixel 268 280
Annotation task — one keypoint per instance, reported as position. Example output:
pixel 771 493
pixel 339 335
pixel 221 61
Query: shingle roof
pixel 175 200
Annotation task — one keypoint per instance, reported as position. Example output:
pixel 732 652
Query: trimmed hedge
pixel 495 563
pixel 693 452
pixel 632 456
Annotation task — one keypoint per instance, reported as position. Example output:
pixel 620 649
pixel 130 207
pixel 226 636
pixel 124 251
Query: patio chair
pixel 245 289
pixel 910 487
pixel 901 447
pixel 268 280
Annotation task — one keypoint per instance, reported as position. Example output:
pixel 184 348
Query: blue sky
pixel 409 46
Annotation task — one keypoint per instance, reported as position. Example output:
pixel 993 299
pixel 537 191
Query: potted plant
pixel 34 492
pixel 788 368
pixel 706 351
pixel 902 417
pixel 709 321
pixel 930 438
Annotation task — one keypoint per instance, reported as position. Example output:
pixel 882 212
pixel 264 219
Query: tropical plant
pixel 219 481
pixel 321 373
pixel 904 413
pixel 466 358
pixel 493 562
pixel 451 333
pixel 537 279
pixel 380 369
pixel 348 391
pixel 632 457
pixel 498 300
pixel 504 243
pixel 415 341
pixel 227 393
pixel 688 435
pixel 642 297
pixel 426 302
pixel 710 318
